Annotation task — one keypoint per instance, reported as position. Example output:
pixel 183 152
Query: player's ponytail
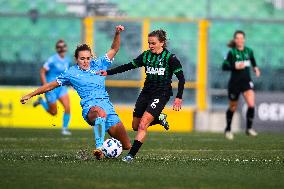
pixel 161 35
pixel 232 43
pixel 82 47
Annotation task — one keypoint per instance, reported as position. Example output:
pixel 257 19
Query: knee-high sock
pixel 44 104
pixel 66 119
pixel 135 148
pixel 229 117
pixel 250 116
pixel 99 131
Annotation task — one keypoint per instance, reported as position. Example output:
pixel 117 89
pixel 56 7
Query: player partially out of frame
pixel 52 68
pixel 97 111
pixel 160 65
pixel 238 61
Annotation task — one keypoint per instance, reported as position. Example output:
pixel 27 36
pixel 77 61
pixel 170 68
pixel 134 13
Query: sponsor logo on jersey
pixel 246 62
pixel 151 70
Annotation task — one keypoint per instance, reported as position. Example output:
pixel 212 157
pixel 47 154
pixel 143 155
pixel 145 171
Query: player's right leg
pixel 97 118
pixel 229 117
pixel 65 101
pixel 233 95
pixel 153 110
pixel 145 122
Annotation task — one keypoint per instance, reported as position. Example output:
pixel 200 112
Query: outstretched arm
pixel 45 88
pixel 115 43
pixel 119 69
pixel 42 75
pixel 136 63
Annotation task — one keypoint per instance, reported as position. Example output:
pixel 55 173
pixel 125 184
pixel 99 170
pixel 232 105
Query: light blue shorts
pixel 104 103
pixel 53 95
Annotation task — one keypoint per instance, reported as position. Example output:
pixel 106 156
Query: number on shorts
pixel 156 101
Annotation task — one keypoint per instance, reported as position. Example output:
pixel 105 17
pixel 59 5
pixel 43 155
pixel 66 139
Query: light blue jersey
pixel 91 88
pixel 55 66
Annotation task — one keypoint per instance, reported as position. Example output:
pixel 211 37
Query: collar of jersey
pixel 84 70
pixel 60 58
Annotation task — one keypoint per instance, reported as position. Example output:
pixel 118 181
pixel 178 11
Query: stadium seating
pixel 33 37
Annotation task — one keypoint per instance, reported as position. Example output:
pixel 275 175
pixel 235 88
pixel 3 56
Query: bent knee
pixel 127 147
pixel 53 112
pixel 142 126
pixel 97 112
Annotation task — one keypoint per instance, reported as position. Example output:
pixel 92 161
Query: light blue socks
pixel 66 119
pixel 99 131
pixel 44 104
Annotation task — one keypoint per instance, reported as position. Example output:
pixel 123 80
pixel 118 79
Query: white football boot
pixel 229 135
pixel 66 132
pixel 251 132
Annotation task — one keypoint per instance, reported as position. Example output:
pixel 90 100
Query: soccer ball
pixel 112 148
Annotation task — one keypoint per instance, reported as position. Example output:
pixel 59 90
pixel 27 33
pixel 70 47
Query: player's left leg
pixel 249 97
pixel 161 120
pixel 65 101
pixel 118 132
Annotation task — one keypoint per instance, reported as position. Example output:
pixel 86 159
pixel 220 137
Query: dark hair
pixel 161 35
pixel 232 43
pixel 59 41
pixel 82 47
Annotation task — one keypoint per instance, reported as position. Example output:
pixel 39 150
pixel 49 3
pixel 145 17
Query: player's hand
pixel 119 29
pixel 177 104
pixel 102 73
pixel 256 71
pixel 25 98
pixel 240 66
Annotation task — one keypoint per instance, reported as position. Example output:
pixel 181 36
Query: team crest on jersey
pixel 160 62
pixel 237 56
pixel 151 70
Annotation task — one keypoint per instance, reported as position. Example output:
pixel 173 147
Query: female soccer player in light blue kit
pixel 98 111
pixel 55 66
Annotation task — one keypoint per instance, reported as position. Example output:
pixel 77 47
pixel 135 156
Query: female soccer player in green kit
pixel 160 65
pixel 238 61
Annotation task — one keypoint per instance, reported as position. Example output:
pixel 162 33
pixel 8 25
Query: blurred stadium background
pixel 198 32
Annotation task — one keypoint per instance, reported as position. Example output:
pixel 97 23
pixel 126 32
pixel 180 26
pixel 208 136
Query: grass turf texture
pixel 32 158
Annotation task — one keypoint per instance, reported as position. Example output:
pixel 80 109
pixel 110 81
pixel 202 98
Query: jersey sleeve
pixel 175 64
pixel 64 78
pixel 102 63
pixel 138 61
pixel 135 63
pixel 228 63
pixel 252 59
pixel 47 64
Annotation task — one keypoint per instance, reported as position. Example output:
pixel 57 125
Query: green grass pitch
pixel 31 158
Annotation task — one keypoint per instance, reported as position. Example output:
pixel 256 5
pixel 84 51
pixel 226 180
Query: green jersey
pixel 159 69
pixel 235 57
